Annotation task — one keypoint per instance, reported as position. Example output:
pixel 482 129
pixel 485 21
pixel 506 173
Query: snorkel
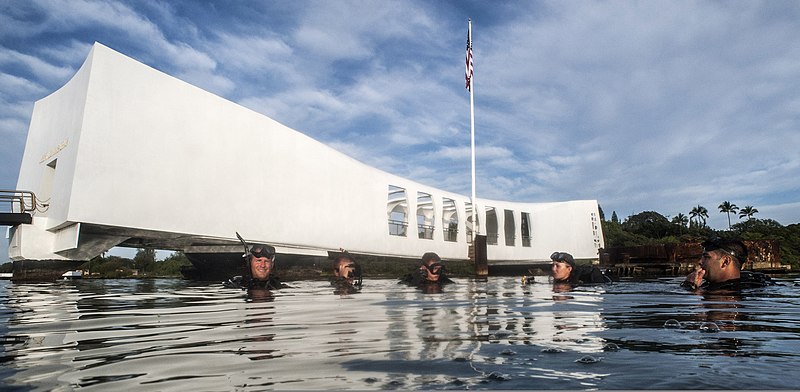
pixel 244 243
pixel 257 253
pixel 357 278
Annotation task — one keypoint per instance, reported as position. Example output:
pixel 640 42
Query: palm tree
pixel 703 214
pixel 728 207
pixel 692 216
pixel 680 220
pixel 700 213
pixel 747 211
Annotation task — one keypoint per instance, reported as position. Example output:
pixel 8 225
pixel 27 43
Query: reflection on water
pixel 495 334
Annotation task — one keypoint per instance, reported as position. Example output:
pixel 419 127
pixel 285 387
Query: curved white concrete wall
pixel 136 148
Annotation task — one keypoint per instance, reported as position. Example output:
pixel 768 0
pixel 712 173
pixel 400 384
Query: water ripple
pixel 181 335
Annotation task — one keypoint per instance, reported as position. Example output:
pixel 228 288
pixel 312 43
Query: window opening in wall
pixel 491 226
pixel 46 186
pixel 509 227
pixel 525 226
pixel 425 216
pixel 449 220
pixel 595 230
pixel 468 209
pixel 397 210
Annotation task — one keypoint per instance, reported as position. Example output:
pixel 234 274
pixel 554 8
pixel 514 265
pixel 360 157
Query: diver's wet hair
pixel 563 257
pixel 735 248
pixel 343 256
pixel 431 256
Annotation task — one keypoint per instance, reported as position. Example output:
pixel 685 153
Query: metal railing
pixel 19 201
pixel 451 235
pixel 425 232
pixel 397 228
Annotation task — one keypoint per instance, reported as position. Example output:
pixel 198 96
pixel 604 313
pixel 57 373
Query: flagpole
pixel 475 228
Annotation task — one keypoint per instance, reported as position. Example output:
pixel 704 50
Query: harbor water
pixel 180 335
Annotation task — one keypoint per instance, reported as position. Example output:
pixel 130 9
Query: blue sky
pixel 653 105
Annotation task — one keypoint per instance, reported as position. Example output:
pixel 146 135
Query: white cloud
pixel 351 30
pixel 646 89
pixel 14 86
pixel 788 212
pixel 253 53
pixel 645 106
pixel 68 16
pixel 42 69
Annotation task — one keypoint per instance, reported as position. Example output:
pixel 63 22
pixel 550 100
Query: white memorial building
pixel 125 155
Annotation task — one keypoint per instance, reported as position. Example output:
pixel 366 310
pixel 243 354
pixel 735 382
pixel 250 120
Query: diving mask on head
pixel 435 268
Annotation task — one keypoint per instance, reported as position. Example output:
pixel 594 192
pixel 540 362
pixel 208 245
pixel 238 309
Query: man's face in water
pixel 260 267
pixel 560 271
pixel 432 270
pixel 345 269
pixel 712 264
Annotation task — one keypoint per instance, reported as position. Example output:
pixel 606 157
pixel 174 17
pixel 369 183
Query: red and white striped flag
pixel 468 71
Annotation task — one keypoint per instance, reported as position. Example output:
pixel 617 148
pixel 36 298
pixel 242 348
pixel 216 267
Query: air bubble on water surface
pixel 672 324
pixel 709 327
pixel 588 359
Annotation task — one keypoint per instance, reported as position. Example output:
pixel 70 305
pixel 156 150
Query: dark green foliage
pixel 681 222
pixel 697 216
pixel 144 260
pixel 171 266
pixel 650 228
pixel 789 237
pixel 113 267
pixel 616 236
pixel 7 267
pixel 703 232
pixel 763 227
pixel 142 265
pixel 747 212
pixel 790 246
pixel 649 224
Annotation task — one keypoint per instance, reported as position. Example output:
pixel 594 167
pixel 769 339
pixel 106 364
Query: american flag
pixel 468 71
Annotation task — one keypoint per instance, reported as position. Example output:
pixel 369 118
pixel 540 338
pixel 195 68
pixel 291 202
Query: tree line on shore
pixel 143 264
pixel 652 228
